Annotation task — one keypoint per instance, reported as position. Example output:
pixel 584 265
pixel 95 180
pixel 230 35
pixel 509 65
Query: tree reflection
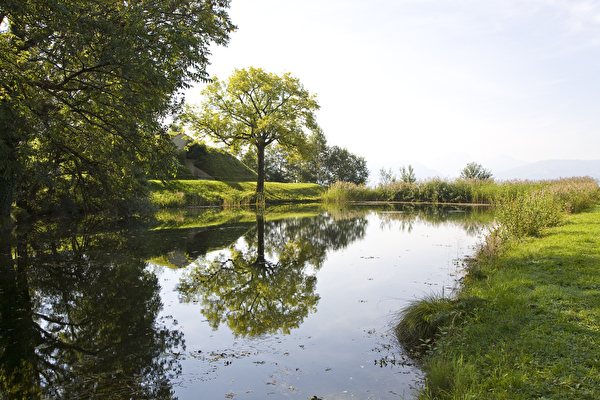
pixel 469 218
pixel 78 319
pixel 266 283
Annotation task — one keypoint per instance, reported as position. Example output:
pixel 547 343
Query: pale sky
pixel 434 82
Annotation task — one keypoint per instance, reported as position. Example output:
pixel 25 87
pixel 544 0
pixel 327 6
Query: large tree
pixel 341 165
pixel 255 108
pixel 84 86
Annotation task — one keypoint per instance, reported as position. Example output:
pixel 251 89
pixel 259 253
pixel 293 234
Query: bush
pixel 527 214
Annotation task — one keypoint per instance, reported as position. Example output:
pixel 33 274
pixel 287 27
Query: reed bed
pixel 576 193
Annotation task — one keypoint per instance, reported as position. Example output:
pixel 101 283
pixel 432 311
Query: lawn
pixel 186 193
pixel 536 333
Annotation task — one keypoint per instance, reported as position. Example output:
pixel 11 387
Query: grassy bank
pixel 188 193
pixel 526 322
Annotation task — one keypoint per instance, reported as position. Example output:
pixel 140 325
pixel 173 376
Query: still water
pixel 293 302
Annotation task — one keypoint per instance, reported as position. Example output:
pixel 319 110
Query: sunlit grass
pixel 189 193
pixel 537 333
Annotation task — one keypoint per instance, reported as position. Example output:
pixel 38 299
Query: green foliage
pixel 576 194
pixel 475 171
pixel 408 174
pixel 573 193
pixel 346 191
pixel 386 176
pixel 255 108
pixel 317 163
pixel 84 88
pixel 422 320
pixel 342 166
pixel 448 379
pixel 527 214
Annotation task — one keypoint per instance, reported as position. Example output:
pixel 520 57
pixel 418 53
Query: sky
pixel 438 83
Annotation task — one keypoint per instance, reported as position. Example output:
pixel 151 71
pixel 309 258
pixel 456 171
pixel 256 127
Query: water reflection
pixel 266 283
pixel 469 218
pixel 80 306
pixel 78 317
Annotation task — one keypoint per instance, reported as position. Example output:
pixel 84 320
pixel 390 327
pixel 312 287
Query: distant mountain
pixel 552 169
pixel 422 171
pixel 503 163
pixel 452 164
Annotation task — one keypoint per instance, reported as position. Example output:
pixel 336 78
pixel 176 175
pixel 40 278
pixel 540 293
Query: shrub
pixel 527 214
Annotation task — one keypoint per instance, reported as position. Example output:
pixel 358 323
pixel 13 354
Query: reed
pixel 575 193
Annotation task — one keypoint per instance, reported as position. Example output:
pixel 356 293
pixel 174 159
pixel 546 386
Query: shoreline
pixel 538 330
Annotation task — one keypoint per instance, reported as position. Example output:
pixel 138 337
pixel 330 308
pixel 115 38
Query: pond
pixel 292 302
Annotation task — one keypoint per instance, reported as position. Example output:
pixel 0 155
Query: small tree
pixel 386 176
pixel 255 108
pixel 475 171
pixel 408 174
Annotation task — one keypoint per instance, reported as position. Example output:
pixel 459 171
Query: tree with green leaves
pixel 343 166
pixel 407 174
pixel 474 170
pixel 255 108
pixel 84 88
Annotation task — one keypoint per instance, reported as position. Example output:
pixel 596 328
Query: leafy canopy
pixel 475 171
pixel 84 86
pixel 255 108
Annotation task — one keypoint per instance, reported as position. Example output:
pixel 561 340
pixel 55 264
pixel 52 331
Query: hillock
pixel 215 163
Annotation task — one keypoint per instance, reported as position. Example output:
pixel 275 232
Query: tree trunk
pixel 7 186
pixel 18 336
pixel 260 181
pixel 260 225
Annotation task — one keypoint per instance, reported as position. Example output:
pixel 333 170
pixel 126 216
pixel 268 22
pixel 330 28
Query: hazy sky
pixel 420 81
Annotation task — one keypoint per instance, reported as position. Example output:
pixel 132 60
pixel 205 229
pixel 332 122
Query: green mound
pixel 219 164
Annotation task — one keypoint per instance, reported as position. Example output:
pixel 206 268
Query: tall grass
pixel 535 206
pixel 575 193
pixel 341 192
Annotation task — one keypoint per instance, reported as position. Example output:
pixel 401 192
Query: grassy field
pixel 187 193
pixel 532 328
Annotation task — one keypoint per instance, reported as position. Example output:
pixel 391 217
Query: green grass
pixel 187 193
pixel 537 334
